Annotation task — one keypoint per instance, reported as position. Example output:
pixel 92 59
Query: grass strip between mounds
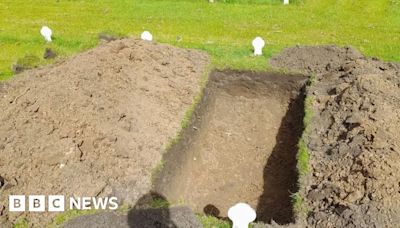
pixel 303 155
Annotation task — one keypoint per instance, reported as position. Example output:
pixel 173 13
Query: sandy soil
pixel 95 124
pixel 240 147
pixel 353 140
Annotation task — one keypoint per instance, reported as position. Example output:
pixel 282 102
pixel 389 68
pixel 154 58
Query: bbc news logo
pixel 58 203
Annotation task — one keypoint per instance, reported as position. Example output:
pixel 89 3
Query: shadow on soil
pixel 280 173
pixel 151 210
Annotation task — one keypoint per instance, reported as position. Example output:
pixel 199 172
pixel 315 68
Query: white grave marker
pixel 258 45
pixel 46 33
pixel 146 35
pixel 241 215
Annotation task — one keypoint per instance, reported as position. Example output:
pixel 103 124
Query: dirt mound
pixel 240 147
pixel 96 124
pixel 353 139
pixel 320 59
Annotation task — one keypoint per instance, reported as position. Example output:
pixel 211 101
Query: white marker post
pixel 285 2
pixel 46 33
pixel 241 215
pixel 258 44
pixel 146 35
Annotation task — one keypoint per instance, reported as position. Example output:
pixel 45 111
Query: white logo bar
pixel 57 203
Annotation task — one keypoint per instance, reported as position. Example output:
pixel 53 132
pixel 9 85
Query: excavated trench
pixel 240 146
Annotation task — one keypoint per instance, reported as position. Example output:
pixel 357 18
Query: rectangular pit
pixel 240 146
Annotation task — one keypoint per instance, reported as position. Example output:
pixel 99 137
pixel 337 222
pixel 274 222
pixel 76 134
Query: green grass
pixel 223 29
pixel 159 203
pixel 212 222
pixel 68 215
pixel 189 112
pixel 303 158
pixel 303 154
pixel 21 223
pixel 184 123
pixel 157 170
pixel 299 206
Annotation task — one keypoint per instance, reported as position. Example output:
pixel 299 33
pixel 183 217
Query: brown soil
pixel 353 139
pixel 95 124
pixel 240 147
pixel 314 60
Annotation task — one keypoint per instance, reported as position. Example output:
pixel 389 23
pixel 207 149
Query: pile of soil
pixel 95 124
pixel 353 137
pixel 240 147
pixel 314 60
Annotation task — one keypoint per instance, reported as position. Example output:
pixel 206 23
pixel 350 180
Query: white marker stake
pixel 146 35
pixel 46 33
pixel 258 45
pixel 241 215
pixel 285 2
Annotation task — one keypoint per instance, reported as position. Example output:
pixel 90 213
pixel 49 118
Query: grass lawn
pixel 224 29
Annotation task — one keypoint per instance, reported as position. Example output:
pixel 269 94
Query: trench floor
pixel 241 146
